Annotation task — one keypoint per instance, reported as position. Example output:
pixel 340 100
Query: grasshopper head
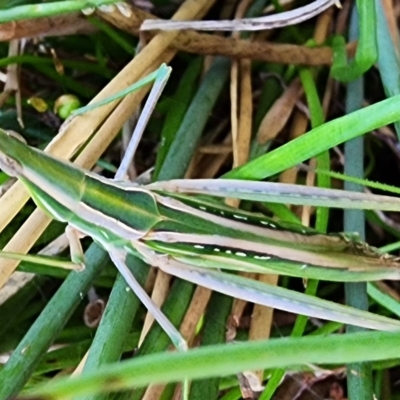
pixel 8 144
pixel 37 170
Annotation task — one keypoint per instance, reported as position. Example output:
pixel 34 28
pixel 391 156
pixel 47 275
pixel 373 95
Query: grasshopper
pixel 195 239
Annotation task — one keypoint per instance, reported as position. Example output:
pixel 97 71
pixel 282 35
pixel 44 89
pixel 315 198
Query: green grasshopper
pixel 193 238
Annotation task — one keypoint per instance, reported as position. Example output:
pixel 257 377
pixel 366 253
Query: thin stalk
pixel 359 375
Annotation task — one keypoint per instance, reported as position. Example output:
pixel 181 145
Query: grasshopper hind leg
pixel 118 258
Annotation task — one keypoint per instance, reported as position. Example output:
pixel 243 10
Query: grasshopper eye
pixel 10 166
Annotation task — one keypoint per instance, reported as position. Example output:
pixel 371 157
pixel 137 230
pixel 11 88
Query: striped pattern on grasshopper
pixel 194 238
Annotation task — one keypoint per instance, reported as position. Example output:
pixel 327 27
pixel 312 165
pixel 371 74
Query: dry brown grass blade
pixel 242 112
pixel 279 114
pixel 239 305
pixel 206 44
pixel 188 326
pixel 67 24
pixel 154 392
pixel 241 104
pixel 159 294
pixel 242 109
pixel 320 34
pixel 261 319
pixel 260 51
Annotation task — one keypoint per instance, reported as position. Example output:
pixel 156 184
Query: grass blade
pixel 222 360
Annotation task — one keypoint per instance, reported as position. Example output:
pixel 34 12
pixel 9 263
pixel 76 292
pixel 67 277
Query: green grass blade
pixel 178 106
pixel 11 309
pixel 320 139
pixel 83 66
pixel 114 35
pixel 222 360
pixel 218 311
pixel 388 60
pixel 359 375
pixel 48 9
pixel 323 159
pixel 367 49
pixel 116 323
pixel 196 117
pixel 159 73
pixel 383 298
